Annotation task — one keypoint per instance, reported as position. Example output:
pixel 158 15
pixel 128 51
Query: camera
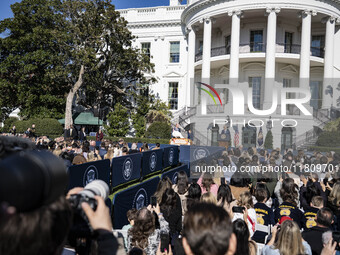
pixel 94 188
pixel 336 238
pixel 80 235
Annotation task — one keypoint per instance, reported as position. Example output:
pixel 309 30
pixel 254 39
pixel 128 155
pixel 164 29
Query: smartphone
pixel 165 240
pixel 222 180
pixel 238 209
pixel 153 201
pixel 325 181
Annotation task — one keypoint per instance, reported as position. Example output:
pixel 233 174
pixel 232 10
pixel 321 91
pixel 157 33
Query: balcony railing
pixel 288 48
pixel 261 47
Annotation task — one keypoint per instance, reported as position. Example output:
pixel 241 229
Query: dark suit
pixel 82 136
pixel 73 133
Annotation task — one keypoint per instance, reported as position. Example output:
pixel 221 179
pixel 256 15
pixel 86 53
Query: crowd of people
pixel 234 212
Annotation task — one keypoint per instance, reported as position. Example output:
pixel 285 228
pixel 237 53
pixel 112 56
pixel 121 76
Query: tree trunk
pixel 70 96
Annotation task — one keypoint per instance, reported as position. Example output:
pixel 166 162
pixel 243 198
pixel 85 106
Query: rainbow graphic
pixel 209 93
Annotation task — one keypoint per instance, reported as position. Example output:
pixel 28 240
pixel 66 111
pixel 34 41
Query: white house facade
pixel 259 48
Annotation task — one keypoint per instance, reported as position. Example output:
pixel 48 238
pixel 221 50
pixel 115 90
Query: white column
pixel 328 64
pixel 234 47
pixel 191 66
pixel 206 61
pixel 305 48
pixel 270 56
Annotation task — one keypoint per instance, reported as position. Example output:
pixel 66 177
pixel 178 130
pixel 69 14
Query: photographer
pixel 35 217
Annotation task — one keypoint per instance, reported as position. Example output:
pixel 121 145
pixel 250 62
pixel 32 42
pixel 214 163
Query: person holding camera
pixel 35 216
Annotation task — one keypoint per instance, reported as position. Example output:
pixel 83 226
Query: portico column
pixel 327 86
pixel 190 65
pixel 270 56
pixel 234 47
pixel 305 48
pixel 206 61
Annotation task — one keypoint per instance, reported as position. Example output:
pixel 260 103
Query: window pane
pixel 255 84
pixel 173 95
pixel 174 52
pixel 146 48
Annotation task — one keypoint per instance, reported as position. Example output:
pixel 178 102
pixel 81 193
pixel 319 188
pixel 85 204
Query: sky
pixel 5 10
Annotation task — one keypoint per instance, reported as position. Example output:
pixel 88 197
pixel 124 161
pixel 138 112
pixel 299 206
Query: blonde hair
pixel 246 200
pixel 91 157
pixel 290 240
pixel 208 198
pixel 334 196
pixel 109 155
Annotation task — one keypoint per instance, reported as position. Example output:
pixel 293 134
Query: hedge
pixel 42 126
pixel 133 139
pixel 159 129
pixel 324 149
pixel 329 139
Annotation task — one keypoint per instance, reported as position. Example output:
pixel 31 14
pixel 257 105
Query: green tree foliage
pixel 118 121
pixel 55 49
pixel 32 74
pixel 268 141
pixel 159 111
pixel 140 111
pixel 329 139
pixel 8 124
pixel 160 130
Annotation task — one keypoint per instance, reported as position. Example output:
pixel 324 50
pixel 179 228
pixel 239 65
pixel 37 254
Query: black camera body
pixel 77 199
pixel 336 238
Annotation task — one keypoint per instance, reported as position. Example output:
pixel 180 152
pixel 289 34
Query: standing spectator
pixel 33 131
pixel 249 214
pixel 333 202
pixel 143 233
pixel 13 130
pixel 309 215
pixel 208 197
pixel 73 132
pixel 207 184
pixel 225 197
pixel 99 135
pixel 28 133
pixel 313 236
pixel 208 230
pixel 172 214
pixel 181 188
pixel 66 132
pixel 194 195
pixel 102 150
pixel 289 241
pixel 245 246
pixel 82 134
